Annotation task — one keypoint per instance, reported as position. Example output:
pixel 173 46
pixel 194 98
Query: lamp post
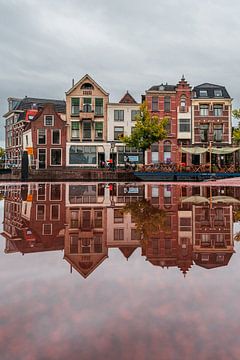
pixel 112 153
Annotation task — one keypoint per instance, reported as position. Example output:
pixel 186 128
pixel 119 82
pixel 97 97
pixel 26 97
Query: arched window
pixel 183 104
pixel 87 86
pixel 167 151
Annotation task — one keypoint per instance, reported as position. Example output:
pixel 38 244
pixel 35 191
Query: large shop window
pixel 82 154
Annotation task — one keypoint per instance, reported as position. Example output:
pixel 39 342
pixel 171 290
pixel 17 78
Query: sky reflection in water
pixel 137 290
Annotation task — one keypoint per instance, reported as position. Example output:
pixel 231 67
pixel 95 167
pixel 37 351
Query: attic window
pixel 87 86
pixel 203 93
pixel 48 120
pixel 217 92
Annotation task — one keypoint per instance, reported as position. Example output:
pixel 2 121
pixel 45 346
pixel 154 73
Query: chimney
pixel 72 82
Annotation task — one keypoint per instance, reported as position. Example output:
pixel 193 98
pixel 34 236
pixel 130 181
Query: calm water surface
pixel 119 271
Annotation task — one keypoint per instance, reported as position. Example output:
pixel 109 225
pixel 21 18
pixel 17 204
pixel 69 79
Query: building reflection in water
pixel 173 225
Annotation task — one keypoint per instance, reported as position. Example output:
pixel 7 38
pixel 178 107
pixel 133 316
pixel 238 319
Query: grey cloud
pixel 122 44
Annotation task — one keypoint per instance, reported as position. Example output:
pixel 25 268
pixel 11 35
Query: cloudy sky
pixel 121 44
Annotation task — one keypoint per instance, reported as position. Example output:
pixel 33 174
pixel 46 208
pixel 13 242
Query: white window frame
pixel 45 157
pixel 38 136
pixel 51 156
pixel 60 133
pixel 44 217
pixel 50 192
pixel 51 207
pixel 43 229
pixel 52 116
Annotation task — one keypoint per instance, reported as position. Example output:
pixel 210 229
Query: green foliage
pixel 2 152
pixel 147 131
pixel 236 135
pixel 147 218
pixel 236 114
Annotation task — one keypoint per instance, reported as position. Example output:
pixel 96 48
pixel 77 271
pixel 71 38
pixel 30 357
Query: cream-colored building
pixel 121 121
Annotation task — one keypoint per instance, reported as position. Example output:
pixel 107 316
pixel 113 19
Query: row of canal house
pixel 85 129
pixel 86 220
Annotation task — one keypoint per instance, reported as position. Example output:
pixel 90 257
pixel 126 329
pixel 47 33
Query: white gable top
pixel 82 80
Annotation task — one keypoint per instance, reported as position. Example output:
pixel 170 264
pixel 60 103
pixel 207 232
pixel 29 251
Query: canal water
pixel 119 271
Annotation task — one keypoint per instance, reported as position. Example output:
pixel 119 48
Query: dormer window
pixel 87 86
pixel 203 93
pixel 217 92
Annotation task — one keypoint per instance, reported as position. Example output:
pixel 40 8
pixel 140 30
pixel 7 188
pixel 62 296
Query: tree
pixel 236 131
pixel 147 218
pixel 147 131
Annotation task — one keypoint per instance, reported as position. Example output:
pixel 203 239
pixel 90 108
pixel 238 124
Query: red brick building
pixel 173 102
pixel 45 139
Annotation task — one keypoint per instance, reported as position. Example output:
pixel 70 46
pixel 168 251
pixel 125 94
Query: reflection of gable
pixel 212 262
pixel 85 268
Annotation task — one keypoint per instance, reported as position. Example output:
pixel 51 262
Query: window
pixel 203 93
pixel 56 157
pixel 154 103
pixel 48 120
pixel 155 157
pixel 167 104
pixel 135 234
pixel 87 105
pixel 118 115
pixel 75 106
pixel 155 191
pixel 41 136
pixel 87 86
pixel 205 257
pixel 40 212
pixel 203 110
pixel 75 126
pixel 133 114
pixel 184 125
pixel 167 151
pixel 27 140
pixel 98 217
pixel 118 216
pixel 168 126
pixel 118 234
pixel 82 155
pixel 217 92
pixel 185 224
pixel 204 132
pixel 217 110
pixel 183 104
pixel 74 220
pixel 99 106
pixel 99 130
pixel 74 244
pixel 87 130
pixel 56 137
pixel 42 158
pixel 55 194
pixel 47 229
pixel 41 192
pixel 118 132
pixel 217 132
pixel 55 212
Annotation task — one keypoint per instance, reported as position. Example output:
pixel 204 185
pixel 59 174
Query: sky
pixel 123 45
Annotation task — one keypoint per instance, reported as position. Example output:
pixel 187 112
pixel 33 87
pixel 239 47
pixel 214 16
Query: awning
pixel 214 150
pixel 194 150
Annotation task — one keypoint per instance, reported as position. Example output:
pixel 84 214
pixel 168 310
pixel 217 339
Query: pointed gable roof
pixel 127 99
pixel 82 80
pixel 127 251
